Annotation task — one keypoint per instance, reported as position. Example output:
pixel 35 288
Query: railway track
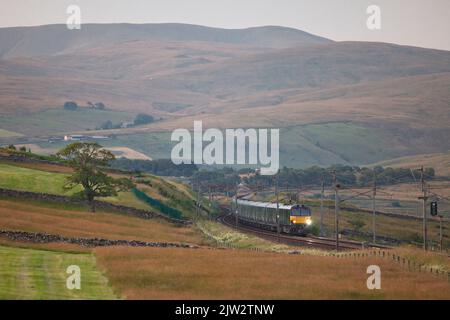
pixel 310 242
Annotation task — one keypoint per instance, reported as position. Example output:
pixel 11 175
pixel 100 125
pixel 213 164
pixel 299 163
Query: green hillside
pixel 163 193
pixel 40 274
pixel 301 146
pixel 25 179
pixel 54 121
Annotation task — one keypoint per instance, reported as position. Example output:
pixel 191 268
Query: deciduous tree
pixel 89 161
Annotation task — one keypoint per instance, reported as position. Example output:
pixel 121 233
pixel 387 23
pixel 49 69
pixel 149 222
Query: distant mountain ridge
pixel 57 39
pixel 336 102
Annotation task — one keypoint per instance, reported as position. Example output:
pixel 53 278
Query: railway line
pixel 310 241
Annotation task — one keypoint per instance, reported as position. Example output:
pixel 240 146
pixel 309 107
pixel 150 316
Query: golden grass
pixel 218 233
pixel 128 153
pixel 156 273
pixel 435 260
pixel 439 161
pixel 15 215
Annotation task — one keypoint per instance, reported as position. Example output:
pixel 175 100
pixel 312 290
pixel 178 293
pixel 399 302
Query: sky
pixel 423 23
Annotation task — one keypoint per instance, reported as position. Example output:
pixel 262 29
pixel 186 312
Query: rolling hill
pixel 57 39
pixel 257 77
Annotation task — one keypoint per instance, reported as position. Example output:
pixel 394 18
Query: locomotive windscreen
pixel 301 211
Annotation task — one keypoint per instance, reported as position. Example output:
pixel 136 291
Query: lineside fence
pixel 405 263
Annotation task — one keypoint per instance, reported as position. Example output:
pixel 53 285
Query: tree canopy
pixel 89 161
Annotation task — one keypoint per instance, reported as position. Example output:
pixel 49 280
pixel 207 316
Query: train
pixel 294 219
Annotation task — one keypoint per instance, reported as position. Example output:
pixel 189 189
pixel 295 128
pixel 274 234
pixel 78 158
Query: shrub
pixel 396 204
pixel 107 125
pixel 70 105
pixel 357 224
pixel 99 106
pixel 314 230
pixel 143 118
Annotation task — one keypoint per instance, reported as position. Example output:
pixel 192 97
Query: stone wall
pixel 143 214
pixel 85 242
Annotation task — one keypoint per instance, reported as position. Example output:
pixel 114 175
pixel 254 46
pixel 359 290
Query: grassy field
pixel 41 274
pixel 8 134
pixel 53 121
pixel 26 179
pixel 56 218
pixel 236 274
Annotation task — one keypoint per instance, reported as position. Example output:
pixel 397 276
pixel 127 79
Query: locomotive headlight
pixel 308 221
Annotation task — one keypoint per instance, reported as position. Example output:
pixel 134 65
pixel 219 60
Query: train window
pixel 301 211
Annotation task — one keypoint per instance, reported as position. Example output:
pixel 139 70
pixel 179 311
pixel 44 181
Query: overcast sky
pixel 424 23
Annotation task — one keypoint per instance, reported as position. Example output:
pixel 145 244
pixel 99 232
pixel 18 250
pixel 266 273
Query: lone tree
pixel 89 160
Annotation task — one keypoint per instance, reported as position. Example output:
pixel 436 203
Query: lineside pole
pixel 440 234
pixel 336 208
pixel 424 209
pixel 199 197
pixel 321 208
pixel 236 206
pixel 374 193
pixel 278 207
pixel 197 202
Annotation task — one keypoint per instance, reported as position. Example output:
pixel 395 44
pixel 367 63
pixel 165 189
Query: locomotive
pixel 293 219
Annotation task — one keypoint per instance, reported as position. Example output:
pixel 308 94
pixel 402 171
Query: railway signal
pixel 433 208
